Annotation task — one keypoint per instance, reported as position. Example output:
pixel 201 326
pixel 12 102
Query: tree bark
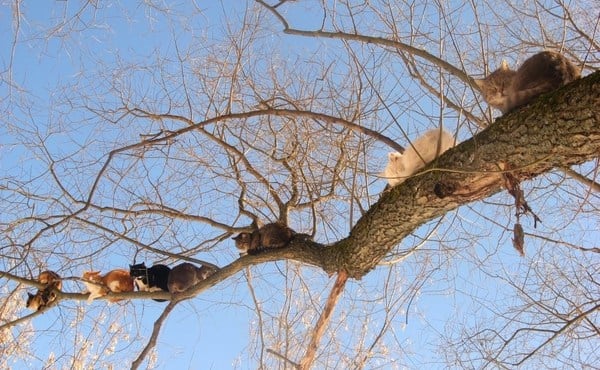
pixel 557 130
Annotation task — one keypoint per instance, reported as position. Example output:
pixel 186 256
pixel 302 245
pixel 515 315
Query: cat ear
pixel 29 296
pixel 392 156
pixel 504 65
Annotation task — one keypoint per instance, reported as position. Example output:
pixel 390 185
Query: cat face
pixel 396 161
pixel 50 278
pixel 243 242
pixel 495 88
pixel 138 269
pixel 139 273
pixel 40 299
pixel 34 301
pixel 93 276
pixel 204 272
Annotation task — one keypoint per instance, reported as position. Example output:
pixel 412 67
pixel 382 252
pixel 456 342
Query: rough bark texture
pixel 557 130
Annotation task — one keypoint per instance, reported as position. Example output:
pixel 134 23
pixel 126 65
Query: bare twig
pixel 155 331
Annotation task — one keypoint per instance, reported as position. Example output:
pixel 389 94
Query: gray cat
pixel 185 275
pixel 506 89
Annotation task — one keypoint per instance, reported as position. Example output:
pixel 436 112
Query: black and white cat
pixel 153 279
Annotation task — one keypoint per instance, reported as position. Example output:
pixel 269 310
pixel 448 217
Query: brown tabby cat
pixel 116 281
pixel 273 235
pixel 46 296
pixel 506 89
pixel 186 275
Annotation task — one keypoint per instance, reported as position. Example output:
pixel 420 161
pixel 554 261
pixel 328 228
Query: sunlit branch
pixel 323 322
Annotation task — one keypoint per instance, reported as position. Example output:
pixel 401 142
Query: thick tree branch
pixel 558 130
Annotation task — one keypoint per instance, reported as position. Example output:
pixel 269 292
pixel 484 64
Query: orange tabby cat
pixel 46 296
pixel 116 281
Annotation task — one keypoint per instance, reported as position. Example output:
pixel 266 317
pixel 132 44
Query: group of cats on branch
pixel 154 279
pixel 158 277
pixel 504 89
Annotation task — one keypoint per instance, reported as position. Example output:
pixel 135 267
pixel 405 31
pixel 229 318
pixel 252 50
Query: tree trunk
pixel 558 130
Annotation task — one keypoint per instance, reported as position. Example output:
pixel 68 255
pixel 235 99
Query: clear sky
pixel 47 58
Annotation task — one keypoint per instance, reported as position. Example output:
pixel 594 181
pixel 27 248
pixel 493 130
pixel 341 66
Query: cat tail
pixel 301 236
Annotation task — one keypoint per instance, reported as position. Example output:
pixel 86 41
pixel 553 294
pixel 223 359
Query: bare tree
pixel 117 148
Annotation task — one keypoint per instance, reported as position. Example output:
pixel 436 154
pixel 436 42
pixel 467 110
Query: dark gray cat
pixel 186 275
pixel 506 89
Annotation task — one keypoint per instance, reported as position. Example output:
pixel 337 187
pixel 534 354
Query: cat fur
pixel 506 89
pixel 116 281
pixel 272 235
pixel 153 279
pixel 186 275
pixel 46 296
pixel 423 150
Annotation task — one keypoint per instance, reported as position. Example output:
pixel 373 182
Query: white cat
pixel 401 166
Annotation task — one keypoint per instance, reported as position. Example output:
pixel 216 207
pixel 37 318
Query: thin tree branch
pixel 154 336
pixel 582 179
pixel 374 40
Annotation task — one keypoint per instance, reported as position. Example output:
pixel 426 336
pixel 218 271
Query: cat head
pixel 204 272
pixel 34 301
pixel 50 278
pixel 93 276
pixel 243 242
pixel 396 160
pixel 494 87
pixel 40 299
pixel 139 274
pixel 138 269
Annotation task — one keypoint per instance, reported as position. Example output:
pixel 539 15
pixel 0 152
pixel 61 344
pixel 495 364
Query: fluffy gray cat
pixel 506 89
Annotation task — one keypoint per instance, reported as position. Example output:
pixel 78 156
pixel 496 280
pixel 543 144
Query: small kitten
pixel 46 296
pixel 153 279
pixel 506 89
pixel 186 275
pixel 116 281
pixel 273 235
pixel 401 166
